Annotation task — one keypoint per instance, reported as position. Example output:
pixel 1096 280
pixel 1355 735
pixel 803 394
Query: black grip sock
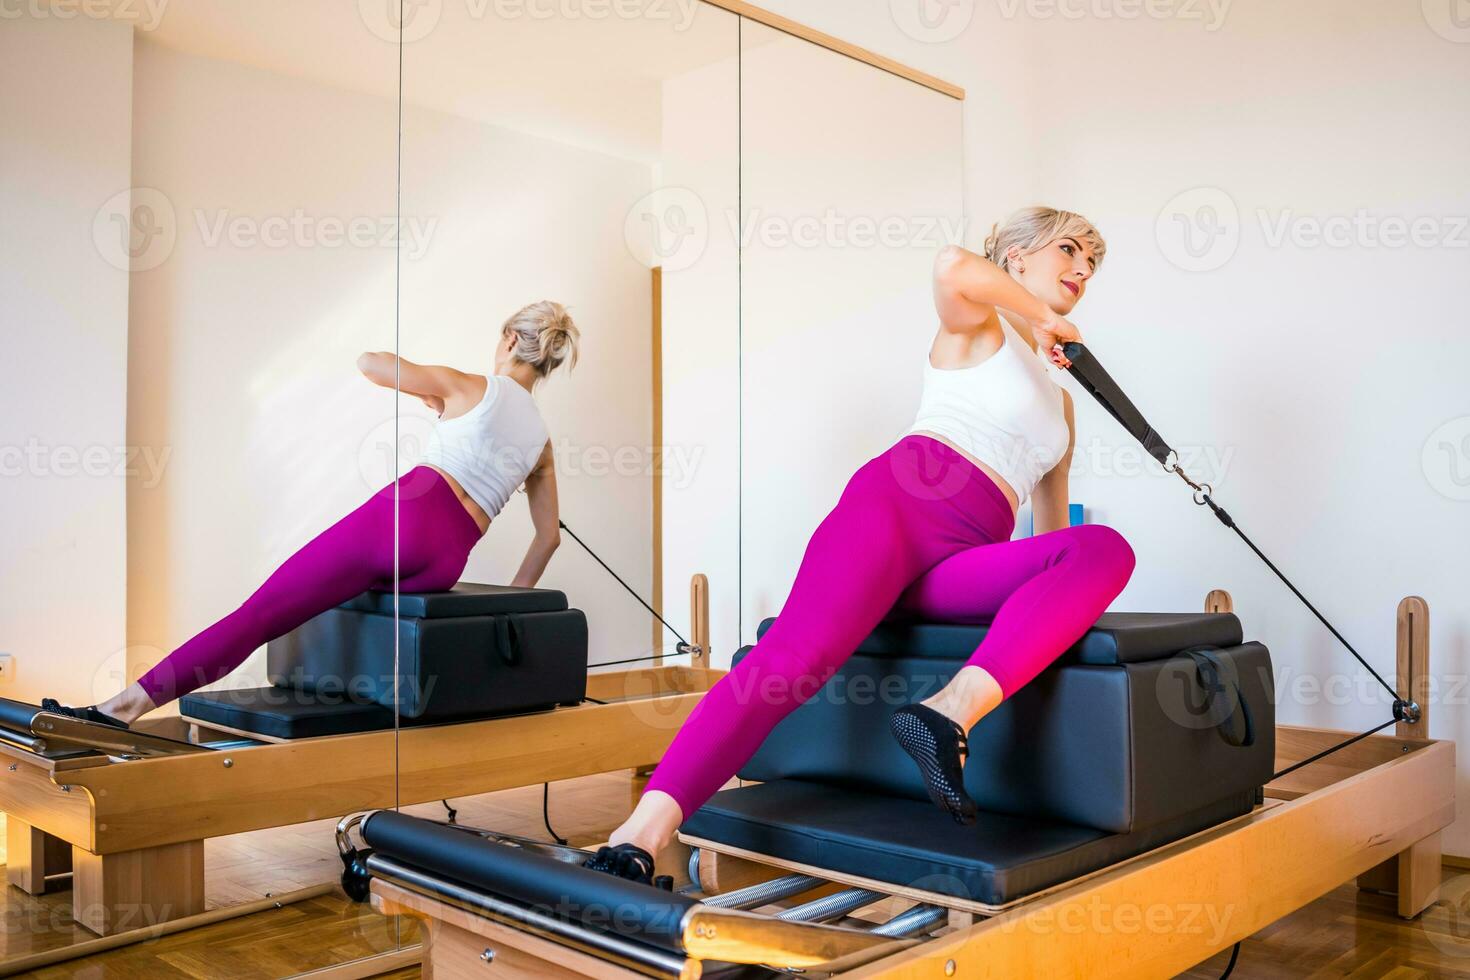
pixel 939 748
pixel 625 861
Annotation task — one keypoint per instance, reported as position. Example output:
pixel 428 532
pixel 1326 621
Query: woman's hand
pixel 1051 330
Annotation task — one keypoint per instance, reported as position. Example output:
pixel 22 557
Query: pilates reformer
pixel 1325 809
pixel 123 814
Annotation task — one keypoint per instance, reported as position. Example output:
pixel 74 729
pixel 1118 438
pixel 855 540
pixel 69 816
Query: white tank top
pixel 1005 411
pixel 493 447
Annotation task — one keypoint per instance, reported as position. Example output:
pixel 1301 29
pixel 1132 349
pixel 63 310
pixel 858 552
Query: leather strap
pixel 1090 375
pixel 508 639
pixel 1225 708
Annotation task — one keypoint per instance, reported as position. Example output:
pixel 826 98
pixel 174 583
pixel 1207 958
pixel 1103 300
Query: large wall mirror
pixel 211 188
pixel 256 209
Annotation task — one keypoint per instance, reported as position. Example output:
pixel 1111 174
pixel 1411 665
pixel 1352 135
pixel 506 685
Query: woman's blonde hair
pixel 1034 228
pixel 545 336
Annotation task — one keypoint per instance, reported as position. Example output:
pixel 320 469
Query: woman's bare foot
pixel 652 823
pixel 971 695
pixel 128 706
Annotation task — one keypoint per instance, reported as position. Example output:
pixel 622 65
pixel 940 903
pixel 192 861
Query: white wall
pixel 520 219
pixel 64 161
pixel 700 181
pixel 243 346
pixel 850 183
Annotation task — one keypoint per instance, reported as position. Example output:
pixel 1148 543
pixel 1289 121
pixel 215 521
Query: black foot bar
pixel 642 928
pixel 27 726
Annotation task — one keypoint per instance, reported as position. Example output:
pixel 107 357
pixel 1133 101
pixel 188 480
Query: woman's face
pixel 1057 273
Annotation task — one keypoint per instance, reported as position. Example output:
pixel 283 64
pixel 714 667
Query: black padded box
pixel 1106 754
pixel 472 652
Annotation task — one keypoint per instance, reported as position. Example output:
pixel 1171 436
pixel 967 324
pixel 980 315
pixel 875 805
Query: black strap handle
pixel 508 639
pixel 1090 375
pixel 1225 707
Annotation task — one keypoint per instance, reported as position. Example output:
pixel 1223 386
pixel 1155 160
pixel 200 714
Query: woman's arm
pixel 432 383
pixel 541 489
pixel 968 288
pixel 1049 499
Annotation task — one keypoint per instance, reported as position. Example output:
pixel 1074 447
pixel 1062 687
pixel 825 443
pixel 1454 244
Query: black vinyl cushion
pixel 912 843
pixel 1116 638
pixel 463 599
pixel 1111 748
pixel 566 890
pixel 282 713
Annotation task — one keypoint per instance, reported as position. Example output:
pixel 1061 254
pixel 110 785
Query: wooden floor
pixel 1346 934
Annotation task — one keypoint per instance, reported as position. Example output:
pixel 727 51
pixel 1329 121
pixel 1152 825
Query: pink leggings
pixel 921 531
pixel 436 534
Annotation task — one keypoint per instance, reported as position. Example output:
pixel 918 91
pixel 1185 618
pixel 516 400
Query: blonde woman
pixel 925 528
pixel 490 439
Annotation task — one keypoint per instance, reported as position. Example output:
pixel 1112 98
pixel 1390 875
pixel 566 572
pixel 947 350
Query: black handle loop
pixel 508 639
pixel 1091 376
pixel 1225 708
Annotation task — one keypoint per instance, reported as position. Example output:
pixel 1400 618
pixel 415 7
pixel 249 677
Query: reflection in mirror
pixel 851 183
pixel 200 244
pixel 568 428
pixel 569 169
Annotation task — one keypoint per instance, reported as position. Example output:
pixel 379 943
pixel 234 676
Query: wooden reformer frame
pixel 132 833
pixel 1373 810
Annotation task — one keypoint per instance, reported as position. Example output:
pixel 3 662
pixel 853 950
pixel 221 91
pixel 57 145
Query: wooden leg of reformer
pixel 699 620
pixel 31 855
pixel 1414 874
pixel 698 634
pixel 113 893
